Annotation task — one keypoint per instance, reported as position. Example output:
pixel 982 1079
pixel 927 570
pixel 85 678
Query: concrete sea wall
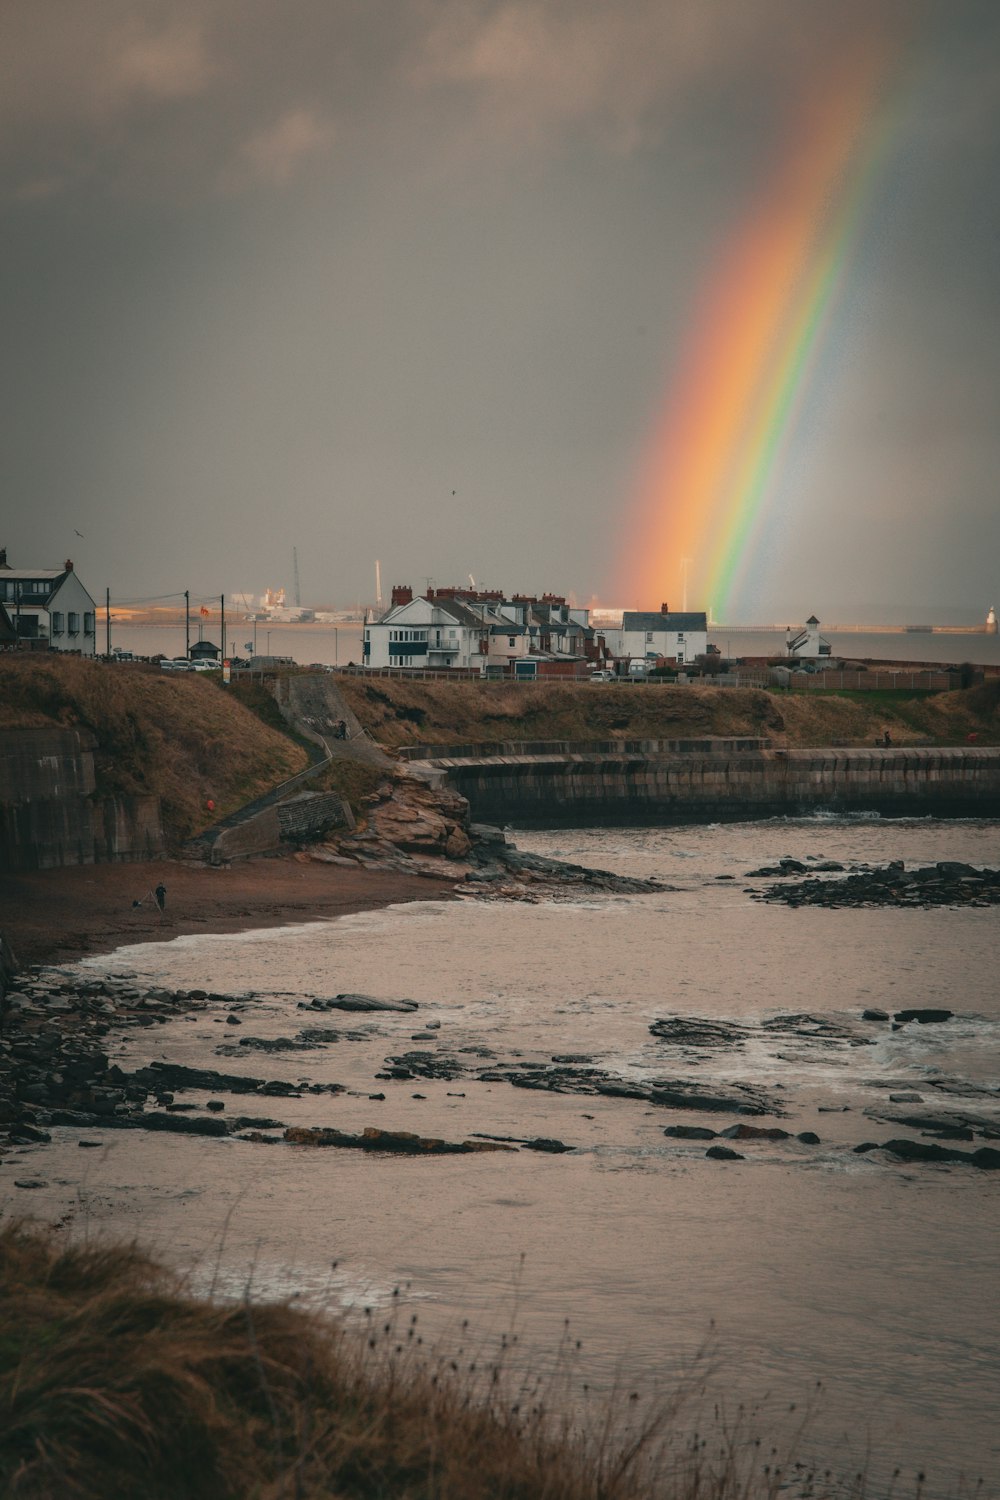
pixel 49 813
pixel 592 787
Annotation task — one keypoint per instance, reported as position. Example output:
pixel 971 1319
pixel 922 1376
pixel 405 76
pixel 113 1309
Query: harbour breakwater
pixel 667 782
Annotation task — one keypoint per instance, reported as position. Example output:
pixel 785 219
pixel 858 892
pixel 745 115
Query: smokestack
pixel 401 594
pixel 664 609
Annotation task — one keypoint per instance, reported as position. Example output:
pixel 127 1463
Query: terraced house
pixel 49 608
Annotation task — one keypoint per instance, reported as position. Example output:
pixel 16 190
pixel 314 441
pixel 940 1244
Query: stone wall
pixel 50 814
pixel 705 744
pixel 590 788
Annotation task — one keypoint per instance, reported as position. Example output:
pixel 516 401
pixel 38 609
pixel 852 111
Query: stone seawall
pixel 587 788
pixel 49 812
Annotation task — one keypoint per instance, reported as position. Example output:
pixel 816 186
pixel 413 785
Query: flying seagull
pixel 79 533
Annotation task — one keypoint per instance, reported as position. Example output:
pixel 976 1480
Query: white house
pixel 808 642
pixel 431 632
pixel 679 636
pixel 476 629
pixel 49 607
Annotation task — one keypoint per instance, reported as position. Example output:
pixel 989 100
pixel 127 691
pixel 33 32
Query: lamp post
pixel 336 647
pixel 268 648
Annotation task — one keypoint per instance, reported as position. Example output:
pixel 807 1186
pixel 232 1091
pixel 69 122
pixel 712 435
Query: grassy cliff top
pixel 397 712
pixel 179 736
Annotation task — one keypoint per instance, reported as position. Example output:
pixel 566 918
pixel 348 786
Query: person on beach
pixel 161 895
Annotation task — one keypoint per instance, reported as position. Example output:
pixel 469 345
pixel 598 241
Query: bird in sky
pixel 79 533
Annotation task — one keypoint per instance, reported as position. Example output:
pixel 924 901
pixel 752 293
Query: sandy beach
pixel 50 916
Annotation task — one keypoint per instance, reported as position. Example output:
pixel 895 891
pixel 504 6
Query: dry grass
pixel 397 712
pixel 116 1382
pixel 181 737
pixel 113 1382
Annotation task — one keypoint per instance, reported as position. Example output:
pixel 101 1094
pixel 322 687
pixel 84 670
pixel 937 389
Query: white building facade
pixel 808 642
pixel 49 607
pixel 676 636
pixel 425 633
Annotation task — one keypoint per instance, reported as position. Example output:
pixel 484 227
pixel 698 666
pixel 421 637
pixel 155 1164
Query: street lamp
pixel 336 647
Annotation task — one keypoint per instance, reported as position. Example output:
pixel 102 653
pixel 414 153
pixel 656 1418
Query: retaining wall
pixel 49 814
pixel 594 788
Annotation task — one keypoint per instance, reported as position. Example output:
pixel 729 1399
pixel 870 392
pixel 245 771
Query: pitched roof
pixel 634 619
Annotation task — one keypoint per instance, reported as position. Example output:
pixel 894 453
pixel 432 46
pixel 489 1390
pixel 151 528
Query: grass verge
pixel 115 1382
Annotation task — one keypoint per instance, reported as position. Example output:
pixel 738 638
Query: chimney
pixel 401 594
pixel 3 558
pixel 68 565
pixel 664 609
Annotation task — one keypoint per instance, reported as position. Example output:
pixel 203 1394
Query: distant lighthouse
pixel 991 621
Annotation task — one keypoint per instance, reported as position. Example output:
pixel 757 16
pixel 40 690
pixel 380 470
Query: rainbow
pixel 737 388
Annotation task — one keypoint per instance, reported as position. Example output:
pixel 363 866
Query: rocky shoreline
pixel 55 1071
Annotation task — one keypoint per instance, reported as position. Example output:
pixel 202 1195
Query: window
pixel 88 624
pixel 649 636
pixel 57 622
pixel 74 622
pixel 510 640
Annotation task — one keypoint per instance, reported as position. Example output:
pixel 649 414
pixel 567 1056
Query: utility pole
pixel 107 622
pixel 222 616
pixel 295 569
pixel 187 623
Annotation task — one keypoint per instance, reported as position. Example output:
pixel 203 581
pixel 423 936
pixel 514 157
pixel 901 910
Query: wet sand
pixel 53 916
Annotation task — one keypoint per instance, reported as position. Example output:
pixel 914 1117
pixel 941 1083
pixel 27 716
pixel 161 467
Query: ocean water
pixel 803 1274
pixel 337 645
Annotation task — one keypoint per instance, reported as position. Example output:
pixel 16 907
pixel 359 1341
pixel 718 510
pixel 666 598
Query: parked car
pixel 175 664
pixel 204 666
pixel 602 675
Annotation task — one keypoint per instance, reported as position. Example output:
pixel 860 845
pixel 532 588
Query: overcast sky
pixel 405 279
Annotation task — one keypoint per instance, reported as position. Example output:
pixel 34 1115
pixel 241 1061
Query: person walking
pixel 161 895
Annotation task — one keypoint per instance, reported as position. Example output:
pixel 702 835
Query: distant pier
pixel 854 629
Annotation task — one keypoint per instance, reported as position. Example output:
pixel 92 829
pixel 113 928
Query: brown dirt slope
pixel 182 736
pixel 397 712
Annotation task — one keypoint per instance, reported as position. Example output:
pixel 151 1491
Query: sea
pixel 329 645
pixel 842 1306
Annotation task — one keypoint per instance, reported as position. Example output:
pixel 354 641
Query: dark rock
pixel 363 1003
pixel 872 1014
pixel 755 1133
pixel 179 1123
pixel 402 1142
pixel 865 1147
pixel 690 1132
pixel 233 1021
pixel 696 1031
pixel 547 1143
pixel 923 1017
pixel 808 1138
pixel 89 1145
pixel 271 1044
pixel 424 1065
pixel 742 1099
pixel 723 1153
pixel 214 1104
pixel 30 1182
